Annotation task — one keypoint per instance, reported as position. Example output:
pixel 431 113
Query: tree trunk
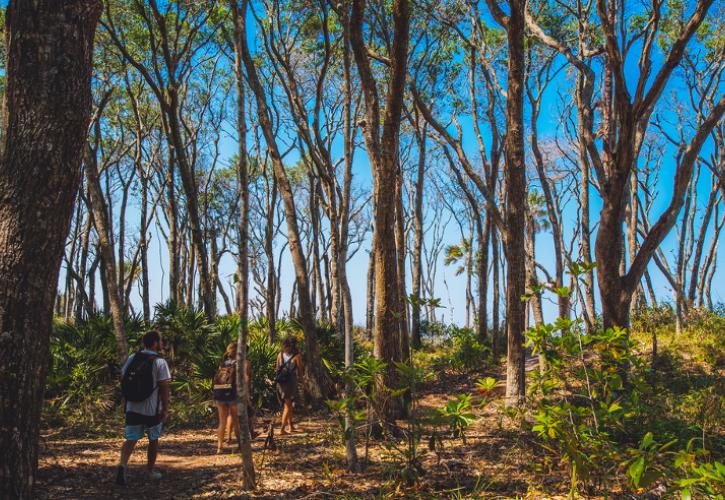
pixel 531 278
pixel 370 312
pixel 143 243
pixel 245 444
pixel 496 340
pixel 271 289
pixel 515 181
pixel 102 225
pixel 586 251
pixel 172 215
pixel 401 252
pixel 382 150
pixel 188 182
pixel 46 111
pixel 418 240
pixel 82 271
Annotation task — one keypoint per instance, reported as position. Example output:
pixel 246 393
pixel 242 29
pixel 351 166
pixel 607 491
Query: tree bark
pixel 103 229
pixel 515 189
pixel 245 444
pixel 370 299
pixel 382 150
pixel 271 289
pixel 46 111
pixel 417 272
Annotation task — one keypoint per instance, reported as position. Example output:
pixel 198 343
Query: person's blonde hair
pixel 231 351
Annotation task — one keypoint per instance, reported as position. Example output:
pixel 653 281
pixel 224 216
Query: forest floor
pixel 495 461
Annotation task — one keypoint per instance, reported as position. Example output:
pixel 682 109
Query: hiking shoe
pixel 154 475
pixel 121 475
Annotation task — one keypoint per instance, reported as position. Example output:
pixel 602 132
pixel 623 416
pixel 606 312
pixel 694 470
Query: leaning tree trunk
pixel 45 120
pixel 100 221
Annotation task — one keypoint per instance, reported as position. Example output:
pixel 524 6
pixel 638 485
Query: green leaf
pixel 647 441
pixel 614 407
pixel 635 471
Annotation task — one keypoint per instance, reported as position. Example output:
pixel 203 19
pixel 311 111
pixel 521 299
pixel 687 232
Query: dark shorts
pixel 232 402
pixel 137 425
pixel 133 418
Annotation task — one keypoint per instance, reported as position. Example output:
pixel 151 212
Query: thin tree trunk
pixel 245 444
pixel 172 215
pixel 82 270
pixel 418 239
pixel 586 251
pixel 482 235
pixel 271 289
pixel 496 291
pixel 401 252
pixel 370 312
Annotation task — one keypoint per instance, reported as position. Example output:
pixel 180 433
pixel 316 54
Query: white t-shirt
pixel 152 405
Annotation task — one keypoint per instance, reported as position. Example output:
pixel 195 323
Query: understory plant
pixel 401 439
pixel 595 410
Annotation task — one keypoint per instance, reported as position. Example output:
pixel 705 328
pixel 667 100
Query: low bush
pixel 599 409
pixel 83 389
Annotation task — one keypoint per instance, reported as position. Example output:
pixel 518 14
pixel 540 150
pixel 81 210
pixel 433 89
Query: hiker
pixel 145 385
pixel 289 368
pixel 225 395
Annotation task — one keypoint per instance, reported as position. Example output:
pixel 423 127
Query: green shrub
pixel 458 349
pixel 81 385
pixel 597 411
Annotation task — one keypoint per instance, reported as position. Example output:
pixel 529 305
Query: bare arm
pixel 164 394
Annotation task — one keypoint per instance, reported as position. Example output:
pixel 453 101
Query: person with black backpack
pixel 145 385
pixel 289 368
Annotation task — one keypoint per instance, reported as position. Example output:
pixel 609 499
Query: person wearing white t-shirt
pixel 147 416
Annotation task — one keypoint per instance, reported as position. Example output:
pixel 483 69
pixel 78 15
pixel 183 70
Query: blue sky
pixel 450 288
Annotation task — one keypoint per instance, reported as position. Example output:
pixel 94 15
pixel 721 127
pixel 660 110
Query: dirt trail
pixel 493 462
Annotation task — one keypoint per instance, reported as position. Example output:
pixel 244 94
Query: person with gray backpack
pixel 145 381
pixel 289 369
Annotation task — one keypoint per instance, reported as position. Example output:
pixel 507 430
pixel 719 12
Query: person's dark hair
pixel 150 338
pixel 290 344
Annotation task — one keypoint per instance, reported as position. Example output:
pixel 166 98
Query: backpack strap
pixel 152 357
pixel 284 363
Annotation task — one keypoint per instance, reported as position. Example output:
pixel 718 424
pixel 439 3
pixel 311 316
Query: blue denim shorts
pixel 136 432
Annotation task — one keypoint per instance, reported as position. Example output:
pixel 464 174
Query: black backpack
pixel 285 371
pixel 137 383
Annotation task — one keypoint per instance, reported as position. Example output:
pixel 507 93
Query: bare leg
pixel 289 415
pixel 151 455
pixel 126 451
pixel 221 428
pixel 231 413
pixel 250 416
pixel 234 418
pixel 283 423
